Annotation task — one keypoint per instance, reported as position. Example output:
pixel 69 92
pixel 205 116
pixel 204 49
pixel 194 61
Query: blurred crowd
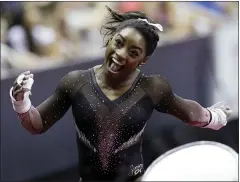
pixel 40 35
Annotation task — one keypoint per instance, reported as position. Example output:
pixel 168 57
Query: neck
pixel 106 79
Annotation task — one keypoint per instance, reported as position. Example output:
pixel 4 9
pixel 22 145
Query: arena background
pixel 197 53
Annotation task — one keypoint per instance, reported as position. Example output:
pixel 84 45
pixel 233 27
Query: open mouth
pixel 114 65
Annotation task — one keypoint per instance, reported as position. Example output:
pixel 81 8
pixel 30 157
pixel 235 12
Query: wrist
pixel 217 120
pixel 210 117
pixel 21 106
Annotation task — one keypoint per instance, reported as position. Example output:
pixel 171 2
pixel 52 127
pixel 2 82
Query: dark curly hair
pixel 118 21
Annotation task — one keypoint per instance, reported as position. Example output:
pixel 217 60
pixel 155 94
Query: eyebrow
pixel 133 46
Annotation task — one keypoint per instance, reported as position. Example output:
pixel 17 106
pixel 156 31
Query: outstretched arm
pixel 190 111
pixel 186 110
pixel 38 120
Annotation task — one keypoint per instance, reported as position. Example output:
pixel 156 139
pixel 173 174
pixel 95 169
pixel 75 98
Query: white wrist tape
pixel 24 105
pixel 21 106
pixel 219 119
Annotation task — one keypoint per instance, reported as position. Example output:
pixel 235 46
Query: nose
pixel 121 54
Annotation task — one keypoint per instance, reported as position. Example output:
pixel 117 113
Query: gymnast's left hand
pixel 220 113
pixel 224 107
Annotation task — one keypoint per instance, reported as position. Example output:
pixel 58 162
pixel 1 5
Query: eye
pixel 134 53
pixel 118 42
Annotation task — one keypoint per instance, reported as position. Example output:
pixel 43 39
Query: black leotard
pixel 109 133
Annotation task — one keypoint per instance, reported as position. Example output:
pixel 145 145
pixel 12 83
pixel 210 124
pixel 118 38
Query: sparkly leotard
pixel 109 133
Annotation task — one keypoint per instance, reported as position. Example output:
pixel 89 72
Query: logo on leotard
pixel 135 170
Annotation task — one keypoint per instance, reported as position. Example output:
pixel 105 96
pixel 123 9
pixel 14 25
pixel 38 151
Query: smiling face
pixel 125 52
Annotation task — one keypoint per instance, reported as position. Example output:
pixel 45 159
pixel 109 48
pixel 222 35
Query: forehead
pixel 133 36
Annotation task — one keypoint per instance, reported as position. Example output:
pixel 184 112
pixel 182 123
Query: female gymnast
pixel 112 102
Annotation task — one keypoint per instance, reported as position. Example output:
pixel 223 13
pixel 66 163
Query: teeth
pixel 116 61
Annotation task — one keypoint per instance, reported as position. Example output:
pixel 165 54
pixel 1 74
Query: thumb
pixel 228 112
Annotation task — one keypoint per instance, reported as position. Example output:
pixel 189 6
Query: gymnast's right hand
pixel 20 92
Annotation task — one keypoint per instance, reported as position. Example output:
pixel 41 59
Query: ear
pixel 144 61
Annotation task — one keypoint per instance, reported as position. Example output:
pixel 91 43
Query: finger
pixel 15 83
pixel 24 82
pixel 228 108
pixel 27 84
pixel 225 108
pixel 219 104
pixel 28 76
pixel 17 92
pixel 25 73
pixel 31 76
pixel 14 90
pixel 228 113
pixel 25 90
pixel 22 76
pixel 17 87
pixel 20 79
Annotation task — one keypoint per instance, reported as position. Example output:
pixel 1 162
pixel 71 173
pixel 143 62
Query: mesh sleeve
pixel 54 108
pixel 167 102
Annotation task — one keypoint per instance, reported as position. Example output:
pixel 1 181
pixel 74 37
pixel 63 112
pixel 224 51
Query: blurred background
pixel 198 53
pixel 39 35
